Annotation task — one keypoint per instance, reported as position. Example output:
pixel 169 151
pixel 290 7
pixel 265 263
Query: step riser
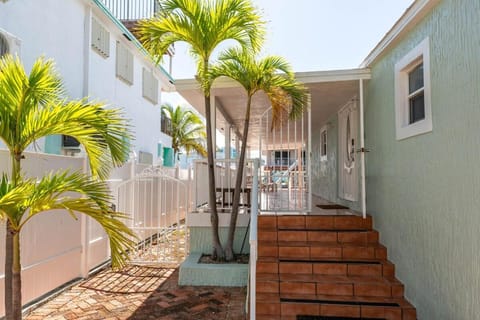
pixel 329 269
pixel 291 310
pixel 331 289
pixel 341 237
pixel 314 222
pixel 318 252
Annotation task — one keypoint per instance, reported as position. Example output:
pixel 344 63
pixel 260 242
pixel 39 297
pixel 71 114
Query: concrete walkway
pixel 141 292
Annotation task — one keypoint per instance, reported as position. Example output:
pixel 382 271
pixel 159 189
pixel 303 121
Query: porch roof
pixel 329 90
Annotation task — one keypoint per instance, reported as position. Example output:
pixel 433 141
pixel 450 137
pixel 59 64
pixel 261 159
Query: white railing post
pixel 253 238
pixel 362 154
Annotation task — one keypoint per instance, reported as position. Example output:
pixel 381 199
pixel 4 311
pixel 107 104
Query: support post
pixel 253 239
pixel 362 153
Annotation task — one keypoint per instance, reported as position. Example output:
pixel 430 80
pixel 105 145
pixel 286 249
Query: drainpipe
pixel 362 151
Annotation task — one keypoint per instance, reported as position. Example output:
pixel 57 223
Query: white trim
pixel 419 54
pixel 412 16
pixel 362 151
pixel 304 77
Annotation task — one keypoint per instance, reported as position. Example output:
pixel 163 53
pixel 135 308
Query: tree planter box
pixel 193 273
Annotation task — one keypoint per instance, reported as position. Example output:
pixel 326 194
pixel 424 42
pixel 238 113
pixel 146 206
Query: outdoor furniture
pixel 231 191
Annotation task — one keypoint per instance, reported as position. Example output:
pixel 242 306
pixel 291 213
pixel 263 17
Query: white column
pixel 237 146
pixel 213 107
pixel 228 142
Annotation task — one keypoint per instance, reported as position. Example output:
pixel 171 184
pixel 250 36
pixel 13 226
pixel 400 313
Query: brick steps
pixel 326 266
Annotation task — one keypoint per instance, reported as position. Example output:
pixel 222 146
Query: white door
pixel 347 145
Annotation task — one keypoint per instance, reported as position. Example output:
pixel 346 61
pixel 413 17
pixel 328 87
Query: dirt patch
pixel 239 258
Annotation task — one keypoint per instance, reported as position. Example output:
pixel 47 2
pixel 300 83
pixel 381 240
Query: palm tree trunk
pixel 212 201
pixel 16 279
pixel 229 255
pixel 8 272
pixel 13 289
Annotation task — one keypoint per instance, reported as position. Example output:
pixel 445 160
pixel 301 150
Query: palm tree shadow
pixel 132 279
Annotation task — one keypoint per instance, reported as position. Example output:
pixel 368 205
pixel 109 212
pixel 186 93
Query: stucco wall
pixel 424 191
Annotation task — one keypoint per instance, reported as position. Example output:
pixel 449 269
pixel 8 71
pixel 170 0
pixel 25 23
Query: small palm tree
pixel 33 106
pixel 203 25
pixel 188 130
pixel 273 76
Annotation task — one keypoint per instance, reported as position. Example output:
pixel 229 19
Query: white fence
pixel 54 247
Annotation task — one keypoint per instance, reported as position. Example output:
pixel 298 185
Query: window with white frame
pixel 100 39
pixel 150 86
pixel 124 63
pixel 323 144
pixel 413 110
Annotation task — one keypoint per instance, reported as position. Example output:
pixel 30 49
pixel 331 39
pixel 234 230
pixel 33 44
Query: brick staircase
pixel 325 267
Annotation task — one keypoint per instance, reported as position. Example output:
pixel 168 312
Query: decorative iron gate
pixel 156 202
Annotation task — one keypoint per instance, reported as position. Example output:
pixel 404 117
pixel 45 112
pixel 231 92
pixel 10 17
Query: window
pixel 124 66
pixel 9 44
pixel 4 49
pixel 150 86
pixel 166 125
pixel 412 93
pixel 323 144
pixel 100 39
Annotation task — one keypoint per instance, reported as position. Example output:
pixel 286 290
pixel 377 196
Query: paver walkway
pixel 141 292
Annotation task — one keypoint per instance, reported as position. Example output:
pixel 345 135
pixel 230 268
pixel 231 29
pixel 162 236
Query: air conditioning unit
pixel 70 143
pixel 9 43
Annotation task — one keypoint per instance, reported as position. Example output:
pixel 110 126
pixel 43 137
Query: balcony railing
pixel 132 9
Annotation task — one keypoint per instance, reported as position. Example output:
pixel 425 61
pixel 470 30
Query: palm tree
pixel 203 25
pixel 273 76
pixel 188 131
pixel 31 107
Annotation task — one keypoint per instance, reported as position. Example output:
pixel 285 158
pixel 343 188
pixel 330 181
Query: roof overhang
pixel 329 91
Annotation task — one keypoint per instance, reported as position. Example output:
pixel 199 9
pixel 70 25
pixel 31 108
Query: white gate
pixel 156 202
pixel 286 164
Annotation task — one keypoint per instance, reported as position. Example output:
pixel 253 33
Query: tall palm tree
pixel 203 25
pixel 188 130
pixel 31 107
pixel 272 75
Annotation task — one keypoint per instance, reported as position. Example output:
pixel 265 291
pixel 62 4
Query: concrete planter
pixel 193 273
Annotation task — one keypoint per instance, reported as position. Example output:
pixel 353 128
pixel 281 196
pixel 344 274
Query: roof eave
pixel 410 18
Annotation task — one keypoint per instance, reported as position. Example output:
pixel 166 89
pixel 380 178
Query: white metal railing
pixel 286 178
pixel 132 9
pixel 225 176
pixel 253 239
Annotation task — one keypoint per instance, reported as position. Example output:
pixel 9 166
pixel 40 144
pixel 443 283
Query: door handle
pixel 362 150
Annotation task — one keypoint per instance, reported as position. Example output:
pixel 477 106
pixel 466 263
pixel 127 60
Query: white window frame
pixel 323 157
pixel 404 129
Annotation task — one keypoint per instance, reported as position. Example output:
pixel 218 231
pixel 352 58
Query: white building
pixel 97 57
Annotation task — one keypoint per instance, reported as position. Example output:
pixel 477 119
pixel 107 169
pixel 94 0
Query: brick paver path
pixel 140 292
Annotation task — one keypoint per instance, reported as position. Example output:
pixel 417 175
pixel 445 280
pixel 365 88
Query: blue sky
pixel 313 35
pixel 317 35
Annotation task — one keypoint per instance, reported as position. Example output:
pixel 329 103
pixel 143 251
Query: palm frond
pixel 188 130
